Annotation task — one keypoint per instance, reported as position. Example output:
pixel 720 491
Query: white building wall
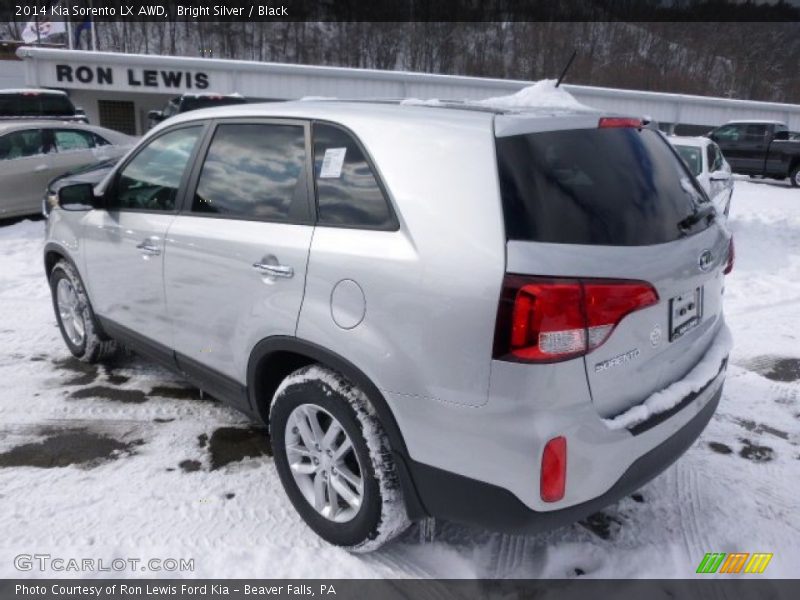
pixel 12 74
pixel 282 81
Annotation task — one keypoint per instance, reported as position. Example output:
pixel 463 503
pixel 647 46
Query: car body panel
pixel 429 296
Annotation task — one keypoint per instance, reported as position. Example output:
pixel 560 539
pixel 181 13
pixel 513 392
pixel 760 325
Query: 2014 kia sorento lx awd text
pixel 509 318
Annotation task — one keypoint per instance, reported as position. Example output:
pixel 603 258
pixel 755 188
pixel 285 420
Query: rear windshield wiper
pixel 707 213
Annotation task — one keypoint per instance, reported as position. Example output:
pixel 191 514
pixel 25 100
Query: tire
pixel 324 396
pixel 794 176
pixel 75 317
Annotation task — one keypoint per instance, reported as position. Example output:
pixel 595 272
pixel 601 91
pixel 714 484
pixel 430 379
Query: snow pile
pixel 542 94
pixel 671 396
pixel 420 102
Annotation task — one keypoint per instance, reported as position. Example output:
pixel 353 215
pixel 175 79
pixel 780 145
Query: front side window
pixel 714 158
pixel 151 180
pixel 254 171
pixel 348 194
pixel 729 133
pixel 21 144
pixel 73 139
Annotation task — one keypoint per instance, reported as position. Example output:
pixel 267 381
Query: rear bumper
pixel 461 499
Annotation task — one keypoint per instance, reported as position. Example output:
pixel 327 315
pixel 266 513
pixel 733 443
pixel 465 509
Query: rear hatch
pixel 608 207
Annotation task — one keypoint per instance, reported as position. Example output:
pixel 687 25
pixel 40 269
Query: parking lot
pixel 127 461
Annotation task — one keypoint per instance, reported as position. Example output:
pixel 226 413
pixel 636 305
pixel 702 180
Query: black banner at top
pixel 780 11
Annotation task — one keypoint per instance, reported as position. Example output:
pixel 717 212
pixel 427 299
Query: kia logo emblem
pixel 705 260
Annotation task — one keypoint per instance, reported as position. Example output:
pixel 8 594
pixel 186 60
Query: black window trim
pixel 112 187
pixel 394 224
pixel 185 208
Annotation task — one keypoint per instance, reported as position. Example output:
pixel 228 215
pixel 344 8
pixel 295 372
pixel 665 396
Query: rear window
pixel 35 105
pixel 606 187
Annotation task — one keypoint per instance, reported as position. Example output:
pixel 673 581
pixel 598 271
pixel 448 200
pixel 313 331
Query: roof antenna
pixel 564 72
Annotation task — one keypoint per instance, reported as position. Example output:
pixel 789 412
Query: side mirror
pixel 155 115
pixel 719 176
pixel 711 135
pixel 781 135
pixel 78 196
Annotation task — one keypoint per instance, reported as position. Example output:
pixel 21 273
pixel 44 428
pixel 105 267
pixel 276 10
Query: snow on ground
pixel 129 462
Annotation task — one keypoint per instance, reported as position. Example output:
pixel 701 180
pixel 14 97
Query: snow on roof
pixel 542 94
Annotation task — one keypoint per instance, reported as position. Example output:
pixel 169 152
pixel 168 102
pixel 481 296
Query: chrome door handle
pixel 274 270
pixel 148 248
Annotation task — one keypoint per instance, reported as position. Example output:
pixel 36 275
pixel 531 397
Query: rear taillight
pixel 550 319
pixel 731 257
pixel 553 479
pixel 619 122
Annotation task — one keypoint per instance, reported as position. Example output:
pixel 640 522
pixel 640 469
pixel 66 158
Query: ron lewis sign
pixel 131 78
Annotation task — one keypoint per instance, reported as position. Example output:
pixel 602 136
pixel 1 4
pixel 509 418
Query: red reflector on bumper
pixel 554 470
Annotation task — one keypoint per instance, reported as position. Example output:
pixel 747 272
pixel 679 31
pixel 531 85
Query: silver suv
pixel 498 317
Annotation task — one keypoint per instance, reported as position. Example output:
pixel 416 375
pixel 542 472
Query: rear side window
pixel 608 187
pixel 255 171
pixel 714 158
pixel 348 193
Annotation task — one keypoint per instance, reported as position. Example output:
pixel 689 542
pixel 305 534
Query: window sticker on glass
pixel 332 163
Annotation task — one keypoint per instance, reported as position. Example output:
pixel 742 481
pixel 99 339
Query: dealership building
pixel 117 90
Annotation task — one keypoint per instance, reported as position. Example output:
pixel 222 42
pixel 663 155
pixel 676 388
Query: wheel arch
pixel 273 358
pixel 52 254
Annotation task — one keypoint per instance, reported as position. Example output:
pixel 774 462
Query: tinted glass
pixel 756 132
pixel 73 139
pixel 348 194
pixel 208 102
pixel 19 144
pixel 615 187
pixel 692 157
pixel 151 180
pixel 255 171
pixel 33 104
pixel 714 158
pixel 729 133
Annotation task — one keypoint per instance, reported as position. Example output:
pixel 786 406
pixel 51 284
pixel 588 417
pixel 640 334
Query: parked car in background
pixel 708 165
pixel 39 104
pixel 34 152
pixel 470 329
pixel 187 102
pixel 760 148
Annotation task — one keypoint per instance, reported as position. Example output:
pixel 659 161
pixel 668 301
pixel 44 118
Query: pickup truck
pixel 760 148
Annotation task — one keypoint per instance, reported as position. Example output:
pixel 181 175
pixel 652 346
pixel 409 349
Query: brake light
pixel 553 479
pixel 552 319
pixel 619 122
pixel 731 257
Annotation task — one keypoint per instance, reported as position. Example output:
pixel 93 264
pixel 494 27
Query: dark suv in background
pixel 187 102
pixel 39 104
